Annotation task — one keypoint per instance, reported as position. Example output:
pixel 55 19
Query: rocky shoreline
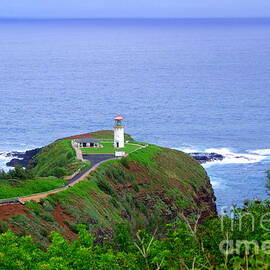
pixel 206 157
pixel 25 159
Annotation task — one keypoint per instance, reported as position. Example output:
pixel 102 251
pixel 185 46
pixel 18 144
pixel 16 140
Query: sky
pixel 133 8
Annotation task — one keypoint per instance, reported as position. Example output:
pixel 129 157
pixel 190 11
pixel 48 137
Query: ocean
pixel 190 84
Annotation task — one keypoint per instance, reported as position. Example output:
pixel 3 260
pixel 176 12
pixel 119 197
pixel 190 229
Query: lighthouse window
pixel 117 144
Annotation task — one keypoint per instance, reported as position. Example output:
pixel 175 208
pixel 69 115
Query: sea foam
pixel 231 156
pixel 263 152
pixel 6 156
pixel 3 160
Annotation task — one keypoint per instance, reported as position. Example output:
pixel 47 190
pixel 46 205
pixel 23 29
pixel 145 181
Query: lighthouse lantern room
pixel 119 135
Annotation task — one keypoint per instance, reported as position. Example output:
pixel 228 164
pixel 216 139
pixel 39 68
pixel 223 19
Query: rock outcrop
pixel 206 157
pixel 24 159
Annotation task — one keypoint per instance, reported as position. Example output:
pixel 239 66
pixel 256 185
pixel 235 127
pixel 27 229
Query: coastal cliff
pixel 148 189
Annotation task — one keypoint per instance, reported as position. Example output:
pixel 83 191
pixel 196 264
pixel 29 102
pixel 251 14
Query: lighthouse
pixel 119 135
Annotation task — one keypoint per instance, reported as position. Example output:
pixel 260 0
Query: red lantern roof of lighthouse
pixel 118 117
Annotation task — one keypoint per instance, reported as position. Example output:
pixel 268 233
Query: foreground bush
pixel 185 246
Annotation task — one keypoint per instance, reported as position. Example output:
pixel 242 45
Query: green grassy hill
pixel 153 210
pixel 54 162
pixel 150 188
pixel 57 159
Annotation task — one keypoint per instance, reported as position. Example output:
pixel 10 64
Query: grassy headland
pixel 149 188
pixel 57 160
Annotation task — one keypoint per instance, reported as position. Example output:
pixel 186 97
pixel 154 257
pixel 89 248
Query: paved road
pixel 95 160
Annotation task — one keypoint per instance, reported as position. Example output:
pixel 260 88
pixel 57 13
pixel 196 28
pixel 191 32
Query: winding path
pixel 95 160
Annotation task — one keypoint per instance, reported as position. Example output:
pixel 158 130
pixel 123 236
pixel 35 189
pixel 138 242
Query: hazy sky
pixel 134 8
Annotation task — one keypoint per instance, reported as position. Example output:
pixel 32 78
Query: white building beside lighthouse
pixel 119 134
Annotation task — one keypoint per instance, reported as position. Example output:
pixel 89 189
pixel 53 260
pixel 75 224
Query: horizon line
pixel 128 18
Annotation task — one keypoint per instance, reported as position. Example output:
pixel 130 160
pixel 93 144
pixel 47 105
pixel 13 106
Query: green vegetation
pixel 53 162
pixel 146 156
pixel 108 148
pixel 108 135
pixel 21 182
pixel 57 159
pixel 3 226
pixel 181 246
pixel 14 188
pixel 18 173
pixel 151 210
pixel 147 189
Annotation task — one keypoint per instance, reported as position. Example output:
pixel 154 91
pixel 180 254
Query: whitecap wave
pixel 263 152
pixel 188 150
pixel 231 156
pixel 4 158
pixel 216 184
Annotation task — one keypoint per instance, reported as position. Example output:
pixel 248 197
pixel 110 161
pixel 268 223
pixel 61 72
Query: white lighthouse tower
pixel 119 135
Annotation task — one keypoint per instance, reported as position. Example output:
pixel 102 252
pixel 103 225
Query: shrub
pixel 123 239
pixel 3 226
pixel 135 187
pixel 69 155
pixel 44 232
pixel 125 163
pixel 47 205
pixel 177 246
pixel 19 220
pixel 47 216
pixel 59 172
pixel 106 187
pixel 114 202
pixel 35 207
pixel 19 173
pixel 141 206
pixel 72 226
pixel 118 175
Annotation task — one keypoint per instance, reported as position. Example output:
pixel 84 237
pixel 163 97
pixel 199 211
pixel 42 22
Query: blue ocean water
pixel 186 84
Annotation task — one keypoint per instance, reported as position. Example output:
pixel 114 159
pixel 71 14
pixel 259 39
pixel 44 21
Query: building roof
pixel 118 117
pixel 87 140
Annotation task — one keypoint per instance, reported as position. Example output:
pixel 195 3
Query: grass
pixel 145 156
pixel 12 188
pixel 149 188
pixel 52 163
pixel 108 148
pixel 108 135
pixel 164 175
pixel 57 159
